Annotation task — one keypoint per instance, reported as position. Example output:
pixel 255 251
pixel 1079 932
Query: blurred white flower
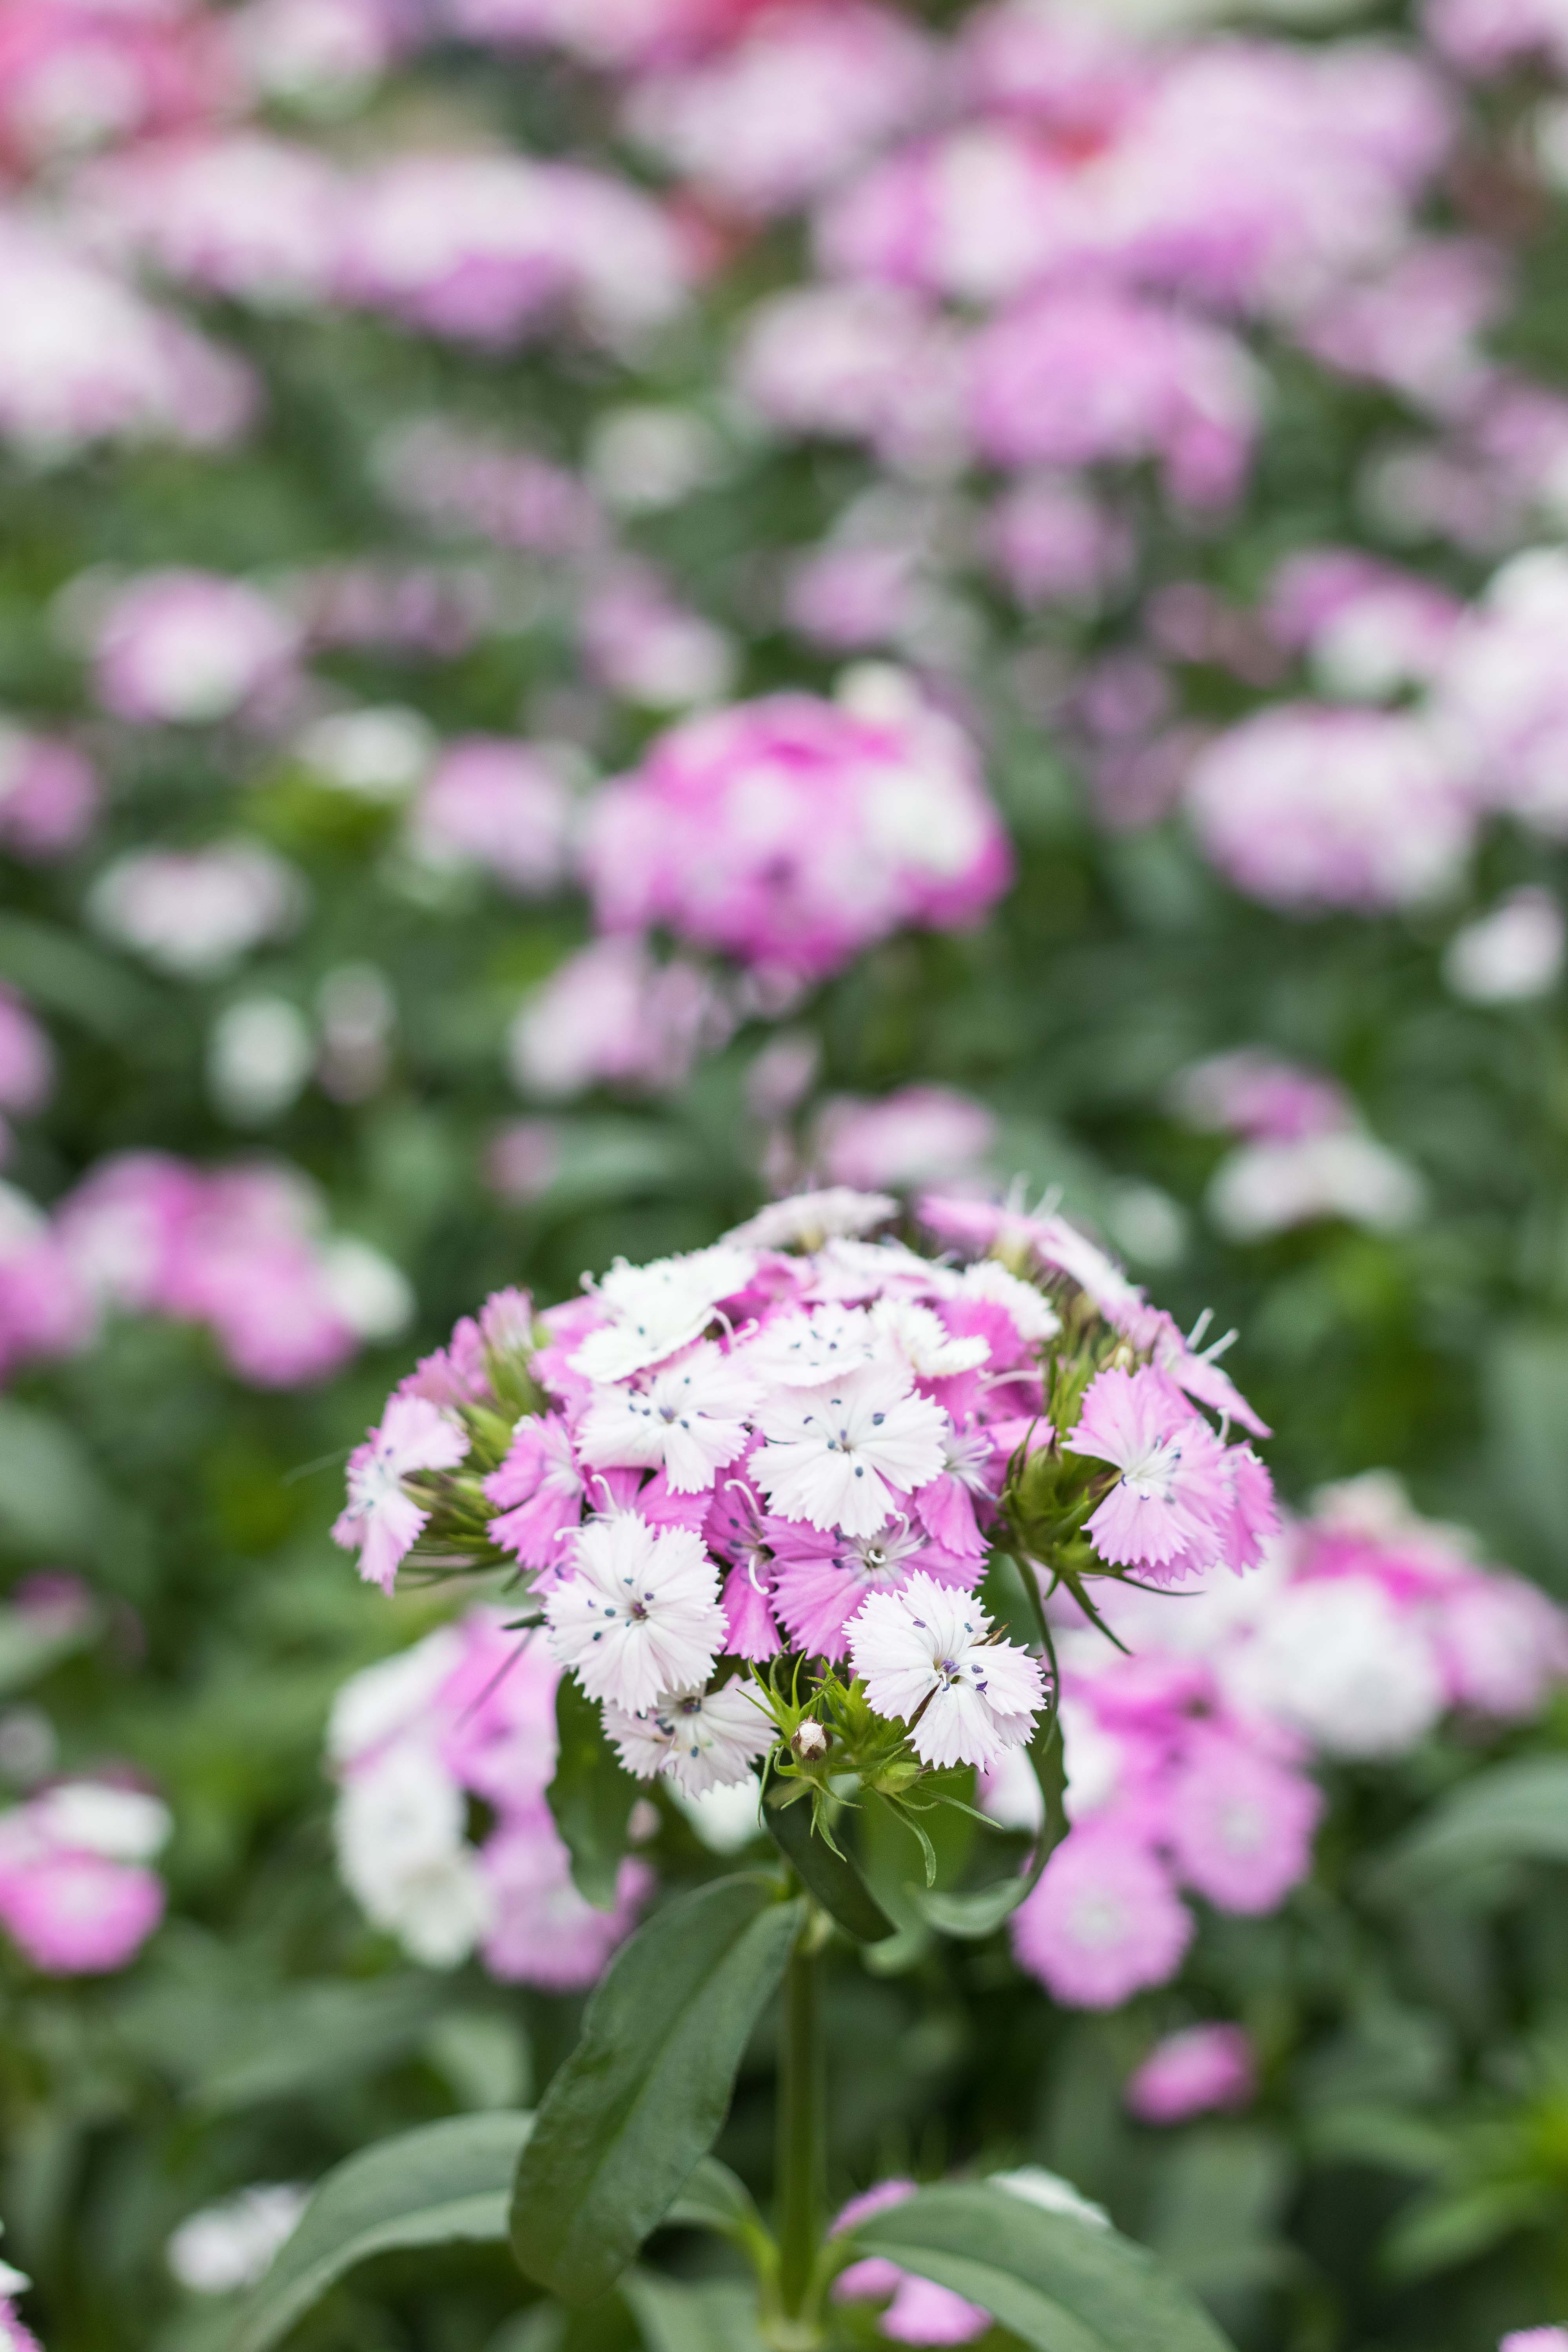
pixel 1511 954
pixel 229 2246
pixel 260 1054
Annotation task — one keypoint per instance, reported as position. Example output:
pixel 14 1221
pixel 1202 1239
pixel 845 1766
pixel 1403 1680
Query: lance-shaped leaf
pixel 1060 2284
pixel 643 2094
pixel 693 2315
pixel 446 2181
pixel 832 1877
pixel 1516 1812
pixel 591 1796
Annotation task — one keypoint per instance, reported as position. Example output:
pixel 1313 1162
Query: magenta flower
pixel 1194 2073
pixel 919 2311
pixel 541 1931
pixel 1167 1507
pixel 381 1519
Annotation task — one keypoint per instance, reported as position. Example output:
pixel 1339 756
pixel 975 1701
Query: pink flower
pixel 742 830
pixel 75 1913
pixel 1193 2074
pixel 26 1058
pixel 1240 1828
pixel 497 803
pixel 919 2311
pixel 188 648
pixel 1253 1093
pixel 1165 1509
pixel 13 2335
pixel 1085 374
pixel 1307 807
pixel 541 1488
pixel 1535 2339
pixel 821 1577
pixel 921 1135
pixel 543 1932
pixel 790 106
pixel 382 1519
pixel 1103 1923
pixel 611 1015
pixel 50 795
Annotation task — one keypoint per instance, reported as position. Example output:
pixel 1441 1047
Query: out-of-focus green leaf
pixel 642 2097
pixel 1448 2227
pixel 714 2199
pixel 591 1795
pixel 51 1498
pixel 34 1640
pixel 66 974
pixel 315 2036
pixel 449 2181
pixel 693 2315
pixel 1515 1812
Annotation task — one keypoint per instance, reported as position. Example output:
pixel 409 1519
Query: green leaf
pixel 1448 2227
pixel 693 2315
pixel 643 2094
pixel 446 2182
pixel 832 1878
pixel 60 971
pixel 716 2199
pixel 1516 1812
pixel 1060 2284
pixel 32 1640
pixel 591 1796
pixel 313 2037
pixel 51 1498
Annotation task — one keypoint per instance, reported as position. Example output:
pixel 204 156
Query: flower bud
pixel 811 1740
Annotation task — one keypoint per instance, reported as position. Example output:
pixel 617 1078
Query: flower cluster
pixel 1188 1761
pixel 76 1896
pixel 801 1446
pixel 792 833
pixel 468 1712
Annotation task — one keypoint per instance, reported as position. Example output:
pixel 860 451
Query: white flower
pixel 228 2246
pixel 700 1740
pixel 812 1218
pixel 1337 1660
pixel 922 1652
pixel 1034 1317
pixel 125 1824
pixel 1266 1188
pixel 654 1310
pixel 1511 955
pixel 726 1819
pixel 796 1350
pixel 1051 2193
pixel 401 1850
pixel 389 1697
pixel 829 1459
pixel 690 1416
pixel 640 1613
pixel 921 1339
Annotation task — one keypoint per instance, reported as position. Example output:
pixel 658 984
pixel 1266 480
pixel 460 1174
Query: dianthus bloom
pixel 748 1493
pixel 76 1896
pixel 791 832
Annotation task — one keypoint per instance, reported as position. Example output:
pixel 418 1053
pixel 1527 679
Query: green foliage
pixel 1060 2284
pixel 591 1796
pixel 643 2093
pixel 449 2181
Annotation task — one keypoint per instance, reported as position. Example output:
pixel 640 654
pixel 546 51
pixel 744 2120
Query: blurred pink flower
pixel 1104 1922
pixel 1193 2072
pixel 50 795
pixel 496 803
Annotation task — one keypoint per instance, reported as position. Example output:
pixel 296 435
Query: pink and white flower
pixel 1166 1509
pixel 689 1418
pixel 382 1519
pixel 700 1740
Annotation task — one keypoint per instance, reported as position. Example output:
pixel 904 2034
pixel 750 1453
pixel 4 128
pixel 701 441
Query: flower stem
pixel 802 2127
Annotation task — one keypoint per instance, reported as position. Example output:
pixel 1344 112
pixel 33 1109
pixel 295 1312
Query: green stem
pixel 802 2127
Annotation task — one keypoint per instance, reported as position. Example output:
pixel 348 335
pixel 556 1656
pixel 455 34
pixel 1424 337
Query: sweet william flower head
pixel 924 1658
pixel 639 1615
pixel 1165 1511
